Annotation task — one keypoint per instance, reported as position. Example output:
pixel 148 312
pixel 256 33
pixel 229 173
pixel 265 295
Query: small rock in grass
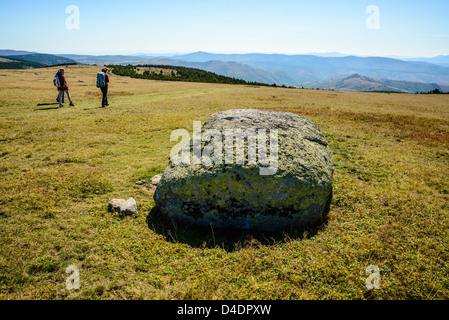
pixel 114 203
pixel 141 182
pixel 156 179
pixel 128 207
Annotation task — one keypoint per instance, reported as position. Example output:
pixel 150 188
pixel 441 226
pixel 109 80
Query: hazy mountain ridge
pixel 225 68
pixel 442 60
pixel 296 70
pixel 309 68
pixel 9 52
pixel 332 71
pixel 356 82
pixel 105 59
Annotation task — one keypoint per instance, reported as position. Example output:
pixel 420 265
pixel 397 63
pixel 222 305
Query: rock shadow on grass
pixel 229 239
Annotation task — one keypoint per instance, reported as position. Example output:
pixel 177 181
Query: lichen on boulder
pixel 296 194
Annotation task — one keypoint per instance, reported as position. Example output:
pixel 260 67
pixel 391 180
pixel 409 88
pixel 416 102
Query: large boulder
pixel 293 190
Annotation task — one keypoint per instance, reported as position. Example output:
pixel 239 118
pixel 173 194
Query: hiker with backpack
pixel 56 84
pixel 61 83
pixel 103 83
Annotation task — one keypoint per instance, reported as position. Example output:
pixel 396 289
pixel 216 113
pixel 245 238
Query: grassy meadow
pixel 59 167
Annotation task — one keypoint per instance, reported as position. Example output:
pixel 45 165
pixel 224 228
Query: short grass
pixel 60 167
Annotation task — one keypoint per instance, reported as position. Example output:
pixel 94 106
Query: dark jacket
pixel 62 82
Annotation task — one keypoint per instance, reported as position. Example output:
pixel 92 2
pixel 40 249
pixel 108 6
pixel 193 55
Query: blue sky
pixel 407 28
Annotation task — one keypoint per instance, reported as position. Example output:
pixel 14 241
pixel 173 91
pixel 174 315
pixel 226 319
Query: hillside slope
pixel 9 63
pixel 43 58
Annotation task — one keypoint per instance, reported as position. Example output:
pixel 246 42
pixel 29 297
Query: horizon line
pixel 167 54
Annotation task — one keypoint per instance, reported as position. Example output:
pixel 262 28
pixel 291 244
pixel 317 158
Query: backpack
pixel 101 80
pixel 56 81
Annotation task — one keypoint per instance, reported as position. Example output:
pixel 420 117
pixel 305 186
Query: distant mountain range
pixel 309 68
pixel 356 82
pixel 440 60
pixel 4 52
pixel 327 71
pixel 105 60
pixel 226 68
